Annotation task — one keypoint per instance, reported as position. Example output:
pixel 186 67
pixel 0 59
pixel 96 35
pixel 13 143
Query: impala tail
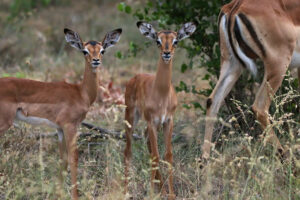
pixel 242 40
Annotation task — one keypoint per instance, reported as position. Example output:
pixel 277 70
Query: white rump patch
pixel 34 120
pixel 295 62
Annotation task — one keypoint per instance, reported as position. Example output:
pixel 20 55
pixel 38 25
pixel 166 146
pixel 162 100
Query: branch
pixel 101 133
pixel 115 134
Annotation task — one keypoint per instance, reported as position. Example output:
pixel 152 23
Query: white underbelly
pixel 35 120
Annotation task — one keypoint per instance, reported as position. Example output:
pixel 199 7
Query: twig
pixel 104 131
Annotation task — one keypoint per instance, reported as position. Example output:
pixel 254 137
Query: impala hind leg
pixel 168 130
pixel 230 72
pixel 129 117
pixel 271 82
pixel 70 132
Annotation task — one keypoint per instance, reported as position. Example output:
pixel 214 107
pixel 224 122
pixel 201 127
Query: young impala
pixel 251 29
pixel 58 104
pixel 153 98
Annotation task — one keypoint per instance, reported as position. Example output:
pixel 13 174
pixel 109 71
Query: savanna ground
pixel 32 46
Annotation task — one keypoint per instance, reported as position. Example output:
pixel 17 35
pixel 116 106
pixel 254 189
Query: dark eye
pixel 85 52
pixel 102 52
pixel 175 42
pixel 158 43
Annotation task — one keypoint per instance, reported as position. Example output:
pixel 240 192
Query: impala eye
pixel 85 52
pixel 102 52
pixel 175 42
pixel 158 43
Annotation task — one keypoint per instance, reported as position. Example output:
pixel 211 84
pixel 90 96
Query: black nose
pixel 167 53
pixel 95 60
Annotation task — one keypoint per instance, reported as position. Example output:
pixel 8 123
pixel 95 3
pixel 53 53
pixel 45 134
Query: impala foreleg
pixel 230 72
pixel 7 116
pixel 70 132
pixel 62 153
pixel 158 175
pixel 152 134
pixel 168 130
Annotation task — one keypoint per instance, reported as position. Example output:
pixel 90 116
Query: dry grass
pixel 241 167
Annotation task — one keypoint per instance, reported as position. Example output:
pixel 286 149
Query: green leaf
pixel 183 68
pixel 127 9
pixel 121 6
pixel 119 55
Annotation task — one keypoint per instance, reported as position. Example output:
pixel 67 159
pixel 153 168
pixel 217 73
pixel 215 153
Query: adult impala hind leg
pixel 271 82
pixel 230 72
pixel 168 130
pixel 70 132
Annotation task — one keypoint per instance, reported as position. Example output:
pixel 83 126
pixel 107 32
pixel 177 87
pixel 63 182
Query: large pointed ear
pixel 73 39
pixel 111 38
pixel 147 30
pixel 186 30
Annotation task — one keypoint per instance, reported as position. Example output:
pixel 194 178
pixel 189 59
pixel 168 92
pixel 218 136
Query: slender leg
pixel 272 81
pixel 152 131
pixel 62 153
pixel 71 144
pixel 168 130
pixel 129 117
pixel 230 72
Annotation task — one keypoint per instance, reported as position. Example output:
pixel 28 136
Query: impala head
pixel 93 51
pixel 166 40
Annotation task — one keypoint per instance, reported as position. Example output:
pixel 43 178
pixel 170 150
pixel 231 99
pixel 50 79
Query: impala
pixel 57 104
pixel 249 30
pixel 153 98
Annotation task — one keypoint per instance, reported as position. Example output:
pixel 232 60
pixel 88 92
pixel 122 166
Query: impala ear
pixel 147 30
pixel 111 38
pixel 73 39
pixel 186 30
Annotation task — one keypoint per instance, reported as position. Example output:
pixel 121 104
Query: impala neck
pixel 89 85
pixel 163 77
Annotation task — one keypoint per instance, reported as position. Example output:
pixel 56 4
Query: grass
pixel 241 166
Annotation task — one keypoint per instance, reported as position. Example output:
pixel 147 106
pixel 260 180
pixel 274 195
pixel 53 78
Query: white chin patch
pixel 166 59
pixel 95 67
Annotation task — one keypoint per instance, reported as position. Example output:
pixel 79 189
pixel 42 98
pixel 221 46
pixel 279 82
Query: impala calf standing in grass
pixel 58 104
pixel 249 30
pixel 153 98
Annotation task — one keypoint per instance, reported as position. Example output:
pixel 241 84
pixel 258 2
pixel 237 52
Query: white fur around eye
pixel 175 41
pixel 85 51
pixel 102 51
pixel 158 41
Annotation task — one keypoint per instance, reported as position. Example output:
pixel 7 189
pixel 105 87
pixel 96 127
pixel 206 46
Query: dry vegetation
pixel 241 167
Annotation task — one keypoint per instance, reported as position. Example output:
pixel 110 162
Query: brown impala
pixel 59 104
pixel 153 98
pixel 249 29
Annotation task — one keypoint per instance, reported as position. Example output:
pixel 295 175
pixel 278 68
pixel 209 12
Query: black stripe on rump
pixel 243 45
pixel 252 32
pixel 231 43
